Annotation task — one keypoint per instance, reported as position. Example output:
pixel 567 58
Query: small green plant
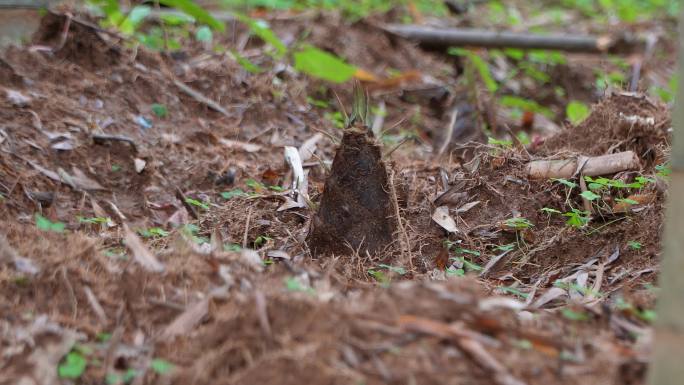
pixel 161 366
pixel 45 224
pixel 577 218
pixel 73 365
pixel 506 247
pixel 227 195
pixel 500 143
pixel 294 284
pixel 634 245
pixel 576 112
pixel 93 220
pixel 518 223
pixel 575 315
pixel 514 291
pixel 153 232
pixel 261 240
pixel 663 170
pixel 646 315
pixel 159 110
pixel 197 203
pixel 232 247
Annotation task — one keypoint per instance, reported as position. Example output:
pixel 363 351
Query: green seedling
pixel 574 315
pixel 634 245
pixel 577 218
pixel 646 315
pixel 232 247
pixel 93 220
pixel 197 203
pixel 506 144
pixel 514 291
pixel 161 366
pixel 506 247
pixel 293 284
pixel 261 240
pixel 576 112
pixel 45 224
pixel 160 110
pixel 518 223
pixel 469 266
pixel 227 195
pixel 153 232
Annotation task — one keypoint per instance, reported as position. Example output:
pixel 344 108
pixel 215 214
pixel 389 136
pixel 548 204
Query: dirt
pixel 240 299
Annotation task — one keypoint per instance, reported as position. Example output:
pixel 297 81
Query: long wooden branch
pixel 459 37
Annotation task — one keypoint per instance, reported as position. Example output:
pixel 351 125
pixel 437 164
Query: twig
pixel 95 304
pixel 448 37
pixel 70 291
pixel 102 138
pixel 449 131
pixel 403 235
pixel 244 237
pixel 200 98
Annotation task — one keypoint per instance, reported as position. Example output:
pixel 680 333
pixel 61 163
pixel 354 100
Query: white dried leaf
pixel 188 320
pixel 16 98
pixel 141 253
pixel 442 217
pixel 308 148
pixel 466 207
pixel 550 295
pixel 139 165
pixel 248 147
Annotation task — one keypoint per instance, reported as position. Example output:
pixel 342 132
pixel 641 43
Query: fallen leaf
pixel 441 217
pixel 141 253
pixel 248 147
pixel 626 205
pixel 308 148
pixel 466 207
pixel 139 165
pixel 188 320
pixel 16 98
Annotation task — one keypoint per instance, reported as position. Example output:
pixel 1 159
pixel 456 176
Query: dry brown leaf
pixel 188 320
pixel 141 253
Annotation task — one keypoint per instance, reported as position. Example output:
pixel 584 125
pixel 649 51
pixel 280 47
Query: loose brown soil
pixel 270 313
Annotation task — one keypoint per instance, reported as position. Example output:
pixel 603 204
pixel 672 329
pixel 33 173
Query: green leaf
pixel 549 210
pixel 627 201
pixel 198 13
pixel 160 110
pixel 73 366
pixel 45 224
pixel 253 184
pixel 565 182
pixel 574 315
pixel 261 29
pixel 161 366
pixel 634 245
pixel 204 34
pixel 320 64
pixel 525 105
pixel 577 112
pixel 134 18
pixel 590 195
pixel 197 203
pixel 499 142
pixel 232 194
pixel 245 63
pixel 232 247
pixel 395 269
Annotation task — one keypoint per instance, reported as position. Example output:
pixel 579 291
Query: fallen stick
pixel 589 166
pixel 459 37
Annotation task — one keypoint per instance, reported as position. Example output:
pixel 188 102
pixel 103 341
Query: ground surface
pixel 240 299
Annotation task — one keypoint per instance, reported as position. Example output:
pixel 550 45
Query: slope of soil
pixel 240 300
